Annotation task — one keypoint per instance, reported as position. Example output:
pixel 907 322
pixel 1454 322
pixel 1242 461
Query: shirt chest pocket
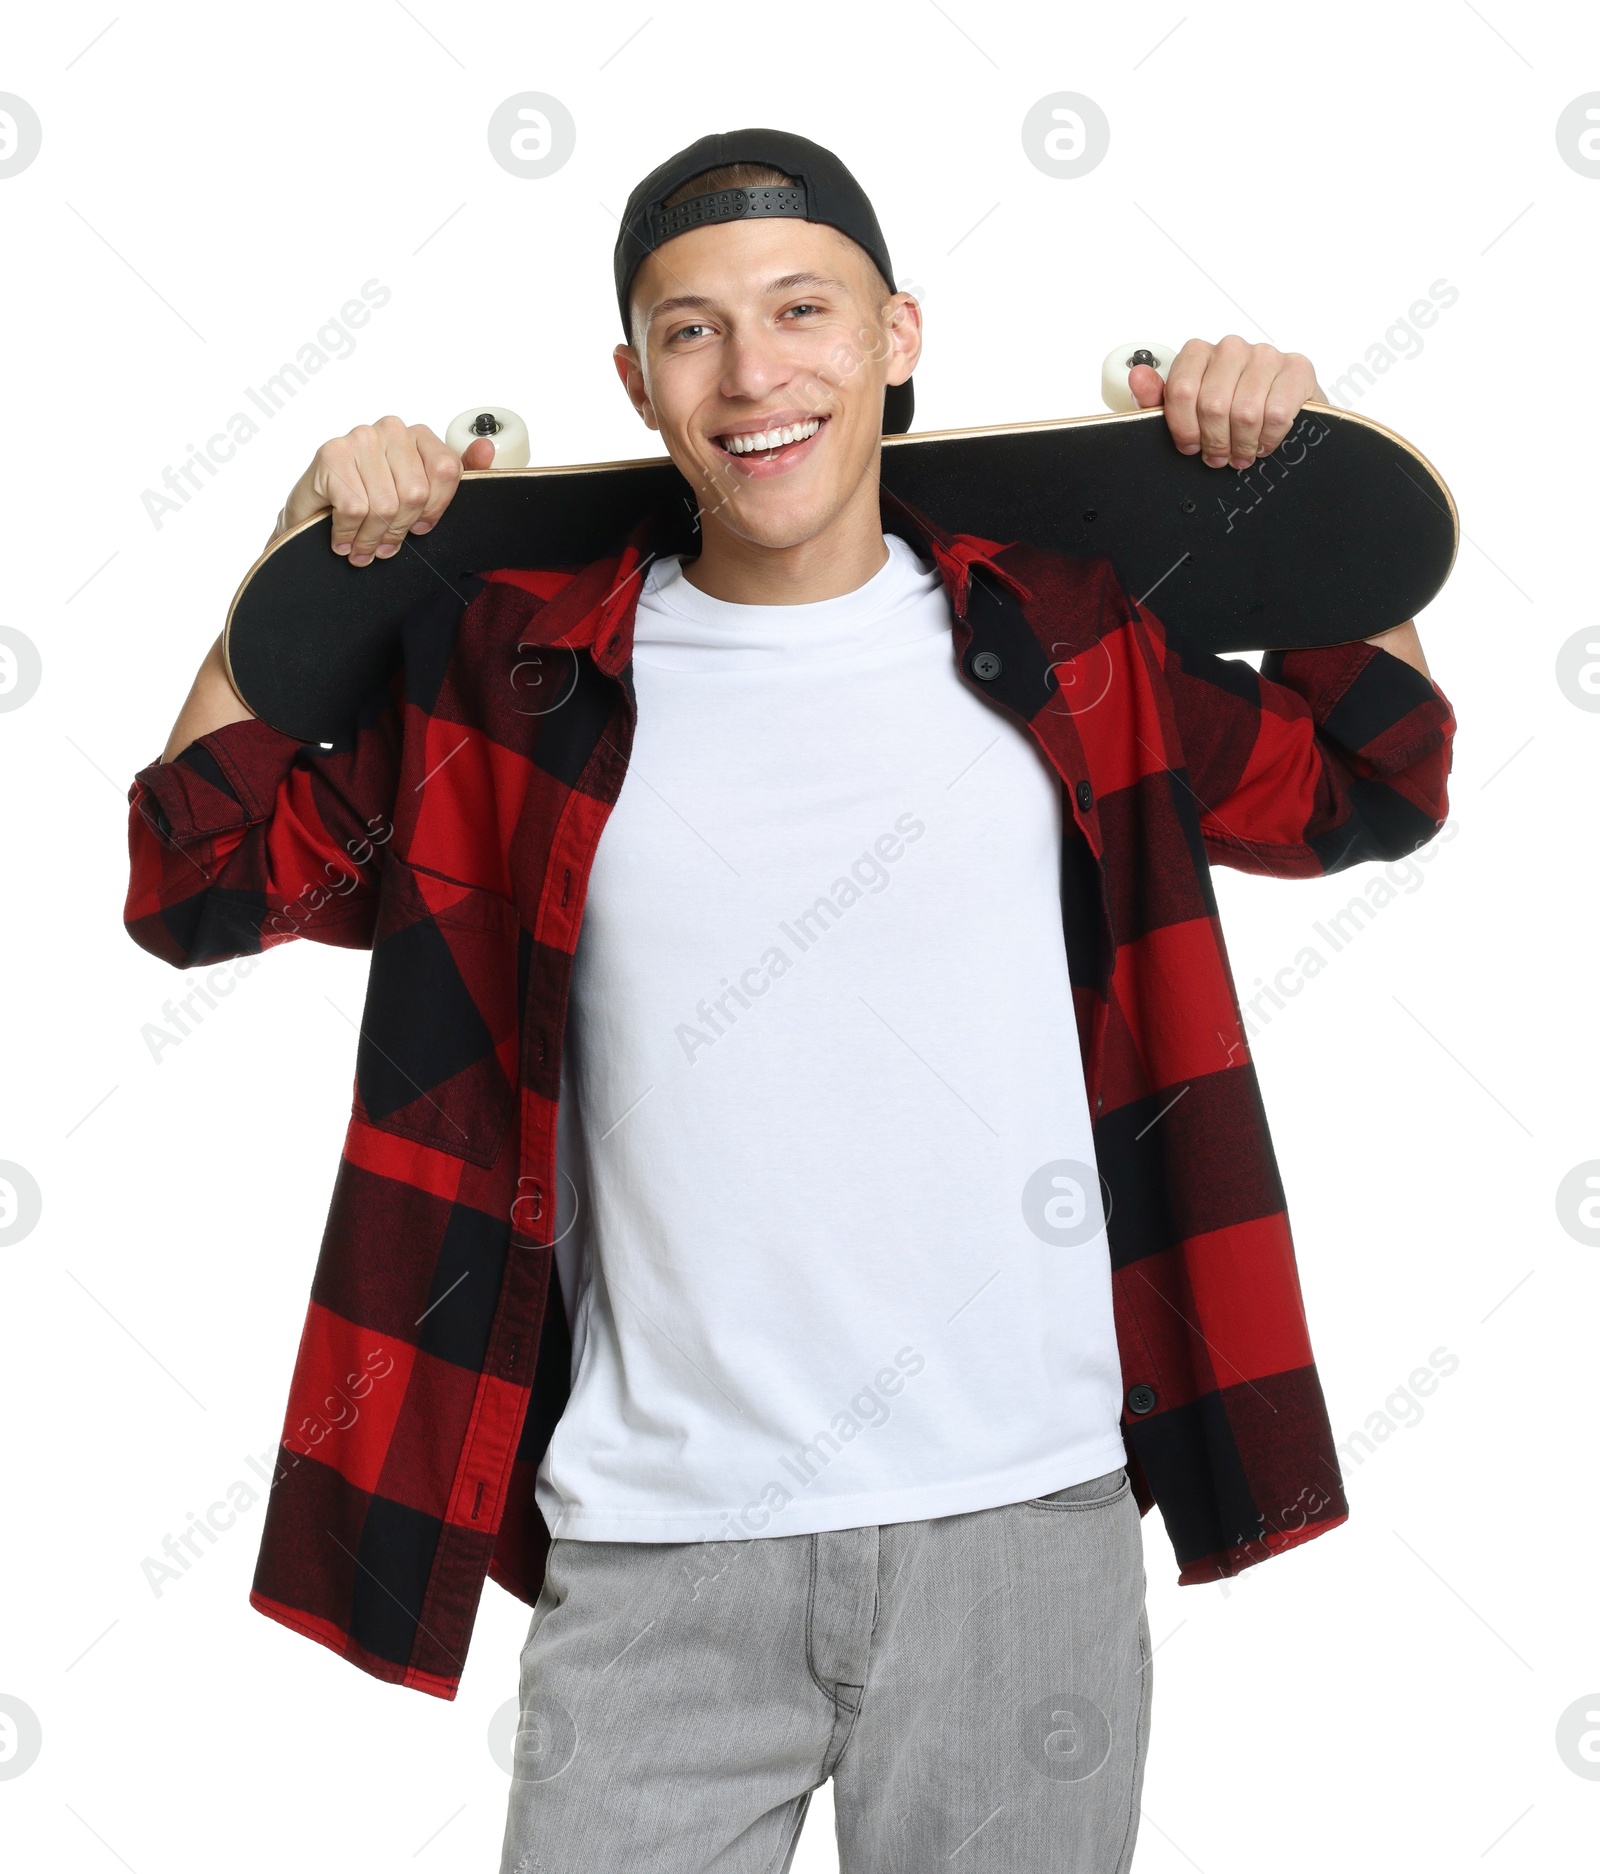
pixel 440 1023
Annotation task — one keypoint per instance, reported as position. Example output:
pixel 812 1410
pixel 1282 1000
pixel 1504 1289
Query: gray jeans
pixel 977 1687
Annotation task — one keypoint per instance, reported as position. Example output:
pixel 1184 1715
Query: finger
pixel 1249 409
pixel 372 464
pixel 1183 385
pixel 1294 383
pixel 443 468
pixel 1144 380
pixel 1214 403
pixel 337 479
pixel 410 477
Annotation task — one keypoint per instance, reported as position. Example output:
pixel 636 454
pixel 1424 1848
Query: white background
pixel 213 184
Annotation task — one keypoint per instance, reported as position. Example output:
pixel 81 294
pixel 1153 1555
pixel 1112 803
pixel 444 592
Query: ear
pixel 626 359
pixel 903 320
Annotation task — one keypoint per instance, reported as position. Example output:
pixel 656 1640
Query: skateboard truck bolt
pixel 1115 391
pixel 492 422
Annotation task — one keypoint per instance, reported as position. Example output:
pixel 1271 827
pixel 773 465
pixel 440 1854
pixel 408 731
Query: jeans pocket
pixel 1094 1493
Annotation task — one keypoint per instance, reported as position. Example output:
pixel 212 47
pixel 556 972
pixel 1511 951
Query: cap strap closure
pixel 723 205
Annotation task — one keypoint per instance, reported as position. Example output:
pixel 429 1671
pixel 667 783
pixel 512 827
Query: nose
pixel 753 365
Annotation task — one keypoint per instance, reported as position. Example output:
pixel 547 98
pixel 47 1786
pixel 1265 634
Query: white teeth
pixel 771 438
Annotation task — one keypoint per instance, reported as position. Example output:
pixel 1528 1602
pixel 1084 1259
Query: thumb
pixel 479 453
pixel 1144 380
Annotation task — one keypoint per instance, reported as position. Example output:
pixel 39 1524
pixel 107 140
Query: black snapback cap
pixel 824 190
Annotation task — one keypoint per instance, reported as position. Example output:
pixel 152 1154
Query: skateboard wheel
pixel 1119 362
pixel 504 428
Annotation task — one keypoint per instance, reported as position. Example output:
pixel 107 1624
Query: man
pixel 830 901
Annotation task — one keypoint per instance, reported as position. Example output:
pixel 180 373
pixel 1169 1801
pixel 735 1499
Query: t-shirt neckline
pixel 678 625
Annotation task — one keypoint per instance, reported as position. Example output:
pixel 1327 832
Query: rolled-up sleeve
pixel 248 838
pixel 1322 759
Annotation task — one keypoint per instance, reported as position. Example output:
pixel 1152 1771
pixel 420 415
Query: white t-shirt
pixel 838 1256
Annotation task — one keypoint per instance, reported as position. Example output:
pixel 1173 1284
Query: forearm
pixel 212 703
pixel 1402 641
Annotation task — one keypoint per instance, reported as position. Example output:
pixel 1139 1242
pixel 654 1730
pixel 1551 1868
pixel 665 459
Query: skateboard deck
pixel 1344 530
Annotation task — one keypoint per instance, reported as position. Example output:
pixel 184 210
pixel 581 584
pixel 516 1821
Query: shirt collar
pixel 598 608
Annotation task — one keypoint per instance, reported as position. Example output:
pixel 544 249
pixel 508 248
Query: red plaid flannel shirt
pixel 452 833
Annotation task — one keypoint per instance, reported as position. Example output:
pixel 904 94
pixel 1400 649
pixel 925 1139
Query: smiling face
pixel 761 351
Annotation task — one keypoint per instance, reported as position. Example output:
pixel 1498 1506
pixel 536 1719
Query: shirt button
pixel 1085 796
pixel 1141 1399
pixel 985 666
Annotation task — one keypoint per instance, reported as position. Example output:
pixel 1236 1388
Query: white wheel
pixel 1120 361
pixel 504 428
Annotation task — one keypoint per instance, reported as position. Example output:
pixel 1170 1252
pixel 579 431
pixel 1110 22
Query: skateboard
pixel 1343 531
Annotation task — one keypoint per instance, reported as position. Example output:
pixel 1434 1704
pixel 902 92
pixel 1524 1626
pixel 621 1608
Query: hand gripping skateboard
pixel 1343 531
